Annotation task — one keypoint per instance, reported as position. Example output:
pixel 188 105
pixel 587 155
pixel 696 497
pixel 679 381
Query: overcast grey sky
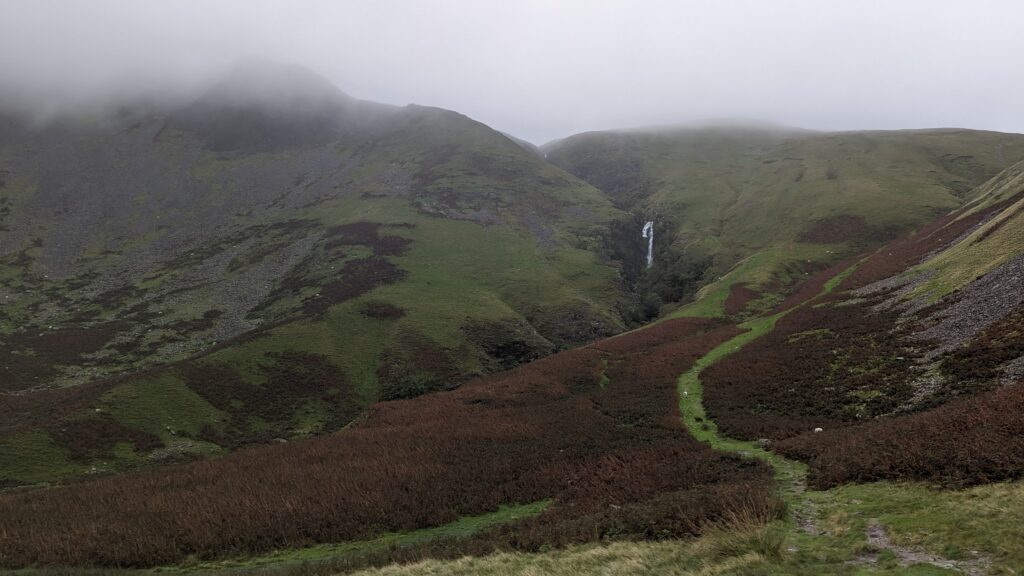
pixel 546 69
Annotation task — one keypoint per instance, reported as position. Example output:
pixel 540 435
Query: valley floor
pixel 571 429
pixel 875 528
pixel 879 528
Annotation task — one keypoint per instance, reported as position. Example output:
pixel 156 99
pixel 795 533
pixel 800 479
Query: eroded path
pixel 878 539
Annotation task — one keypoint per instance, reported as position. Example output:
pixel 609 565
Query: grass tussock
pixel 668 558
pixel 741 534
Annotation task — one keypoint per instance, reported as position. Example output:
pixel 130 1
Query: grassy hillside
pixel 433 300
pixel 888 527
pixel 593 433
pixel 224 275
pixel 753 211
pixel 911 359
pixel 987 247
pixel 912 365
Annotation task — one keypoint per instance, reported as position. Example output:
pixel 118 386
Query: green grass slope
pixel 898 526
pixel 987 247
pixel 230 278
pixel 760 208
pixel 321 362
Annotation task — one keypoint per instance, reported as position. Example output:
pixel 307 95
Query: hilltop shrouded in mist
pixel 544 70
pixel 255 82
pixel 264 105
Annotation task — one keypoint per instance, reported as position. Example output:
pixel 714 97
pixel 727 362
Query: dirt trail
pixel 879 539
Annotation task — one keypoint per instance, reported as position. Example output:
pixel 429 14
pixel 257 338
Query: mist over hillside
pixel 747 212
pixel 296 237
pixel 393 287
pixel 544 71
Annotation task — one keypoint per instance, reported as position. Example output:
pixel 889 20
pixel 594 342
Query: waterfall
pixel 648 233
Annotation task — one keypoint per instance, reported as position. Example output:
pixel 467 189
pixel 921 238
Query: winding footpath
pixel 791 475
pixel 802 522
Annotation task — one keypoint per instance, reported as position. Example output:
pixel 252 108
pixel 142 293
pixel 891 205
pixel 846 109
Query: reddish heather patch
pixel 293 380
pixel 966 442
pixel 391 245
pixel 836 230
pixel 196 324
pixel 656 335
pixel 96 436
pixel 382 311
pixel 367 234
pixel 739 296
pixel 821 366
pixel 20 370
pixel 357 277
pixel 813 286
pixel 900 254
pixel 413 364
pixel 65 345
pixel 43 407
pixel 614 459
pixel 358 233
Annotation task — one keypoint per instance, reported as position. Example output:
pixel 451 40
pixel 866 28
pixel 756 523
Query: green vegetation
pixel 982 251
pixel 319 559
pixel 31 458
pixel 825 533
pixel 303 559
pixel 726 553
pixel 482 254
pixel 834 281
pixel 769 206
pixel 161 405
pixel 760 269
pixel 978 529
pixel 986 248
pixel 1001 188
pixel 280 291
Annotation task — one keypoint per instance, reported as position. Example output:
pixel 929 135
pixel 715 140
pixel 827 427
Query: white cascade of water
pixel 648 233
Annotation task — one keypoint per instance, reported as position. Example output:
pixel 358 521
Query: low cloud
pixel 540 69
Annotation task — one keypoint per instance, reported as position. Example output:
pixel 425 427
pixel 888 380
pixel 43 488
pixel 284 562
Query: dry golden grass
pixel 670 558
pixel 742 540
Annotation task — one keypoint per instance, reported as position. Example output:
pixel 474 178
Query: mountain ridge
pixel 760 210
pixel 191 279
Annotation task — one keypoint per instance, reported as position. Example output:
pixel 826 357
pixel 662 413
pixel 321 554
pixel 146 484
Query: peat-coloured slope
pixel 606 473
pixel 753 211
pixel 593 435
pixel 914 365
pixel 284 262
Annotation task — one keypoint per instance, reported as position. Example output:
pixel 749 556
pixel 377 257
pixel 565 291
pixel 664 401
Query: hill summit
pixel 260 105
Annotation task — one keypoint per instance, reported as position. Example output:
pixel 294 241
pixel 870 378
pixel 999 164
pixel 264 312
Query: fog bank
pixel 543 70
